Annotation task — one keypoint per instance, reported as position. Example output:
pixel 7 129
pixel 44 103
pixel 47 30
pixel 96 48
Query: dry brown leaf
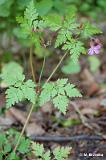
pixel 18 115
pixel 5 121
pixel 89 111
pixel 47 108
pixel 34 129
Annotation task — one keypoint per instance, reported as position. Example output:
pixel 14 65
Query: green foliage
pixel 61 38
pixel 71 67
pixel 17 93
pixel 7 143
pixel 30 19
pixel 90 30
pixel 94 63
pixel 27 148
pixel 19 89
pixel 58 16
pixel 33 25
pixel 53 21
pixel 75 48
pixel 24 146
pixel 102 4
pixel 59 92
pixel 66 31
pixel 5 6
pixel 9 75
pixel 70 122
pixel 40 19
pixel 44 6
pixel 39 151
pixel 30 24
pixel 59 153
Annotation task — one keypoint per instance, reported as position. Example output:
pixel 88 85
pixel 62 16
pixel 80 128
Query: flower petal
pixel 91 51
pixel 98 46
pixel 97 51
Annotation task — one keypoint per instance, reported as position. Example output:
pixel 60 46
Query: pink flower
pixel 94 49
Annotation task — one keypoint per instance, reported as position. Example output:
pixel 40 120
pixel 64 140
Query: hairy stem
pixel 24 127
pixel 55 69
pixel 31 63
pixel 41 71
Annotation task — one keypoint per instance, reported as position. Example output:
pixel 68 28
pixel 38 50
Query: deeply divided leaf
pixel 90 30
pixel 19 89
pixel 59 93
pixel 12 73
pixel 75 48
pixel 61 153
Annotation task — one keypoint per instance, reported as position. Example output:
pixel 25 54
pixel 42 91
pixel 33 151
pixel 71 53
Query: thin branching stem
pixel 24 127
pixel 31 63
pixel 32 107
pixel 41 71
pixel 55 69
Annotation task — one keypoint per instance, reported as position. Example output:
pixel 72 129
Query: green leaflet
pixel 24 145
pixel 48 91
pixel 61 38
pixel 28 148
pixel 5 7
pixel 75 48
pixel 71 67
pixel 19 89
pixel 9 75
pixel 61 153
pixel 90 30
pixel 53 21
pixel 30 21
pixel 66 30
pixel 59 93
pixel 38 149
pixel 69 30
pixel 25 90
pixel 8 140
pixel 61 102
pixel 44 6
pixel 94 63
pixel 58 153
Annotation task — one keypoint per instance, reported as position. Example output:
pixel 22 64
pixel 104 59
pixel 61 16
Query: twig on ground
pixel 82 118
pixel 61 139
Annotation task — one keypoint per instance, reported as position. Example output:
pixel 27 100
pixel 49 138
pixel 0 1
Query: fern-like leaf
pixel 58 153
pixel 90 30
pixel 46 93
pixel 19 89
pixel 71 91
pixel 30 20
pixel 61 153
pixel 46 155
pixel 71 67
pixel 30 13
pixel 61 102
pixel 53 21
pixel 59 93
pixel 75 48
pixel 61 38
pixel 12 73
pixel 38 149
pixel 26 90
